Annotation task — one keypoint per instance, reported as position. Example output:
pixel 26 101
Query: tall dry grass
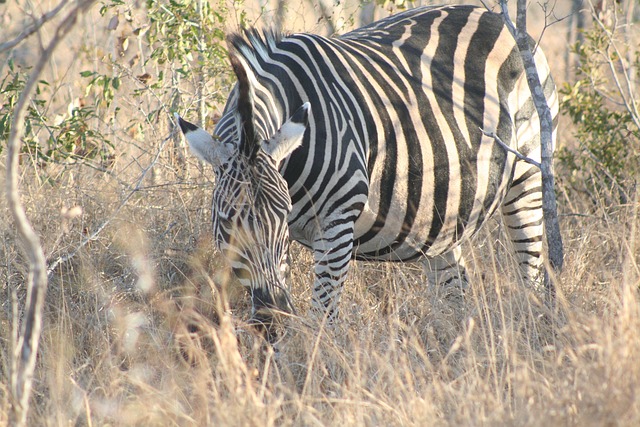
pixel 145 325
pixel 137 333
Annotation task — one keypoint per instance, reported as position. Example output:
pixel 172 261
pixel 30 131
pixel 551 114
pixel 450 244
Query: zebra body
pixel 393 164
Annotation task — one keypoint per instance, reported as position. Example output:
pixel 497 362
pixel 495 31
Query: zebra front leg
pixel 447 271
pixel 332 254
pixel 522 213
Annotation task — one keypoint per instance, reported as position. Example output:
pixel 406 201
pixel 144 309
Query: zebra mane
pixel 246 51
pixel 248 141
pixel 254 44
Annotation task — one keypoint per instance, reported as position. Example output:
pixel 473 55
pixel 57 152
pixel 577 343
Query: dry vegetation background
pixel 144 326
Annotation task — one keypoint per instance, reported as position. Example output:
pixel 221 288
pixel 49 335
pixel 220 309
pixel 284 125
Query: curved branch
pixel 26 344
pixel 33 28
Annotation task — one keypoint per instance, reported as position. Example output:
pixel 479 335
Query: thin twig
pixel 518 154
pixel 544 6
pixel 67 257
pixel 627 96
pixel 325 13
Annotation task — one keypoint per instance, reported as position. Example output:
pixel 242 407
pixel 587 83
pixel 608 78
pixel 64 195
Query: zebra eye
pixel 226 216
pixel 222 216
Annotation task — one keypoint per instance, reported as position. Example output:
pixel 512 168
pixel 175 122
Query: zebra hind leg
pixel 522 214
pixel 447 272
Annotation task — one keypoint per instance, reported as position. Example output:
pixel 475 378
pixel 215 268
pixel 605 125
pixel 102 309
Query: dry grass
pixel 144 326
pixel 115 354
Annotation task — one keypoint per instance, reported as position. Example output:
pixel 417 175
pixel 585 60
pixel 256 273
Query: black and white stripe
pixel 393 164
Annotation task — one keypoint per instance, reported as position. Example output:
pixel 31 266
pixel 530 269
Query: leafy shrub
pixel 68 137
pixel 606 160
pixel 179 62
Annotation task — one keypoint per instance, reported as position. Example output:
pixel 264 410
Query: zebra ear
pixel 202 144
pixel 249 143
pixel 289 136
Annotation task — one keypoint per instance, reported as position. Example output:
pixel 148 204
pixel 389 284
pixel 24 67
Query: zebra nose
pixel 265 324
pixel 276 300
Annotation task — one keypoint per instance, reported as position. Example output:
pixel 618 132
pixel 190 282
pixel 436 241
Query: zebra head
pixel 251 201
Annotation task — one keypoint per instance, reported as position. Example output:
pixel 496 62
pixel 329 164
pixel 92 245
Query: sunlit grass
pixel 175 350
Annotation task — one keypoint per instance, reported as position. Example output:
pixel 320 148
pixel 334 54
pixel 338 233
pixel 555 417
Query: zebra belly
pixel 392 244
pixel 399 247
pixel 397 240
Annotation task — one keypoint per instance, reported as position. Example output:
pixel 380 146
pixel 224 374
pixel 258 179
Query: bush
pixel 167 55
pixel 607 130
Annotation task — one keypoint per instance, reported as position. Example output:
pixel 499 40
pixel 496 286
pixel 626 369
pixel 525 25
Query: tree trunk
pixel 549 206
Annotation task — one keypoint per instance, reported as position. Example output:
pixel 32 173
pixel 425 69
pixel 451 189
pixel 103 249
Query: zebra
pixel 370 146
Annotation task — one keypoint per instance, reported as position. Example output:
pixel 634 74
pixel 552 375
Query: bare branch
pixel 26 346
pixel 518 154
pixel 486 6
pixel 547 13
pixel 33 28
pixel 627 95
pixel 507 19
